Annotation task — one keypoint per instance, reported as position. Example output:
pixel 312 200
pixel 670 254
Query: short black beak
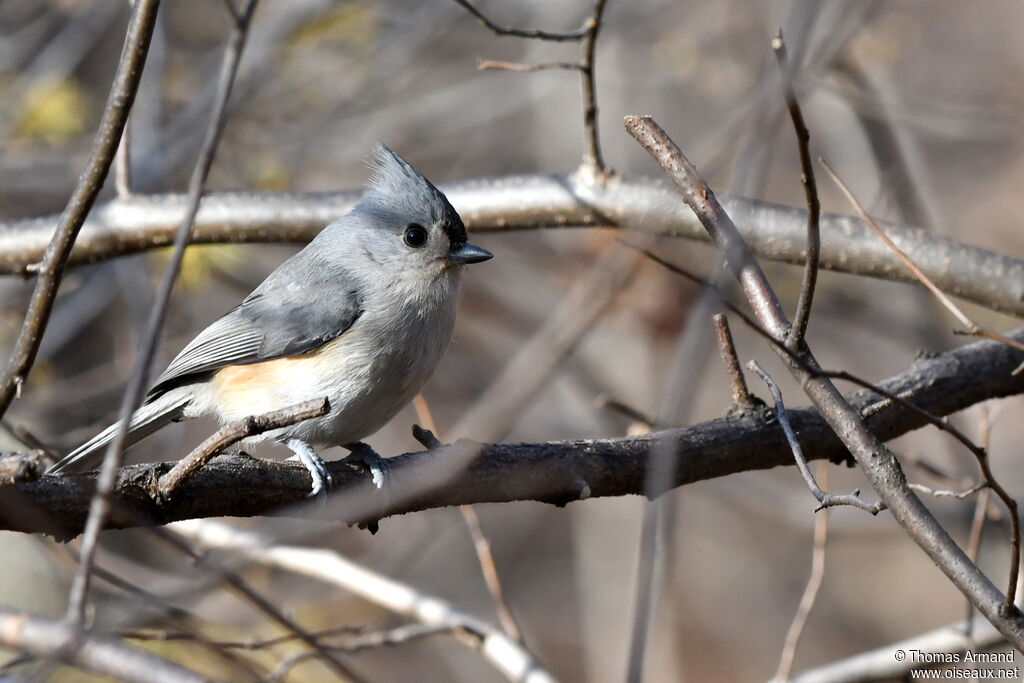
pixel 464 253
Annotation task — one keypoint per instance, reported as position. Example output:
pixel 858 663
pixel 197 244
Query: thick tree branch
pixel 551 472
pixel 773 231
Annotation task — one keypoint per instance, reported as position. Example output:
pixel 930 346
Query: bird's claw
pixel 364 456
pixel 318 473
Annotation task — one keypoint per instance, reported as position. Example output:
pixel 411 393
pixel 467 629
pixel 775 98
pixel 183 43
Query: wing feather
pixel 302 305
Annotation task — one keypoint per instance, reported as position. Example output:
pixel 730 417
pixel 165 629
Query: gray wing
pixel 301 306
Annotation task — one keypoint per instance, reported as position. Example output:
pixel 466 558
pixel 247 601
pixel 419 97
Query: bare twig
pixel 810 278
pixel 810 594
pixel 506 655
pixel 171 636
pixel 949 493
pixel 498 65
pixel 570 36
pixel 231 434
pixel 55 258
pixel 253 597
pixel 100 506
pixel 740 394
pixel 878 463
pixel 825 499
pixel 527 202
pixel 593 161
pixel 390 638
pixel 593 169
pixel 482 547
pixel 972 327
pixel 95 653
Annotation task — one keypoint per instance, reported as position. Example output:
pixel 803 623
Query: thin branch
pixel 173 636
pixel 569 36
pixel 965 320
pixel 877 462
pixel 506 655
pixel 810 278
pixel 228 435
pixel 825 499
pixel 101 655
pixel 396 636
pixel 55 258
pixel 811 590
pixel 528 202
pixel 100 506
pixel 740 394
pixel 593 161
pixel 498 65
pixel 593 170
pixel 482 547
pixel 554 472
pixel 949 493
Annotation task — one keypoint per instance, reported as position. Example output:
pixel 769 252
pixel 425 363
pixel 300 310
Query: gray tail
pixel 146 420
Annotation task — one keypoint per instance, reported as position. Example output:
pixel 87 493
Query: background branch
pixel 774 232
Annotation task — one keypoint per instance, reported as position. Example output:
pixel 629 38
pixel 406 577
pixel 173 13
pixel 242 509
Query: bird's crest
pixel 395 184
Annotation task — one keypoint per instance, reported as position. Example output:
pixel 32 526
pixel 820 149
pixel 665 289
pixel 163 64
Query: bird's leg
pixel 362 454
pixel 305 454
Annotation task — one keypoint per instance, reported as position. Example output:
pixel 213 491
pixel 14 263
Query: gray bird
pixel 361 315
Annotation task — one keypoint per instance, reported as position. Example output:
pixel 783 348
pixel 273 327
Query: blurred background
pixel 917 103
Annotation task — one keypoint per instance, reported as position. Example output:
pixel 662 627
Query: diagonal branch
pixel 55 258
pixel 878 463
pixel 100 504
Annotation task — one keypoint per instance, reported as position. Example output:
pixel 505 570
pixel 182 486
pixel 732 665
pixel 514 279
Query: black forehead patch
pixel 454 228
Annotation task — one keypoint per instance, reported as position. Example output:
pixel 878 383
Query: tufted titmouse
pixel 362 315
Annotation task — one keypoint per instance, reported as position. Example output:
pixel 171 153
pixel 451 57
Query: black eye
pixel 415 235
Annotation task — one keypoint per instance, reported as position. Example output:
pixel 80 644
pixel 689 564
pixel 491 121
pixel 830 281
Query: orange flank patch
pixel 257 388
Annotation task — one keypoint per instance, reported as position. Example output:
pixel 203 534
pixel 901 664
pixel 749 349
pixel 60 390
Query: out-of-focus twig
pixel 231 434
pixel 100 505
pixel 877 462
pixel 98 654
pixel 528 202
pixel 482 546
pixel 811 590
pixel 498 65
pixel 505 654
pixel 51 268
pixel 972 327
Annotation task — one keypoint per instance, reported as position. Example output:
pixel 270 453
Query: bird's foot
pixel 318 473
pixel 364 456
